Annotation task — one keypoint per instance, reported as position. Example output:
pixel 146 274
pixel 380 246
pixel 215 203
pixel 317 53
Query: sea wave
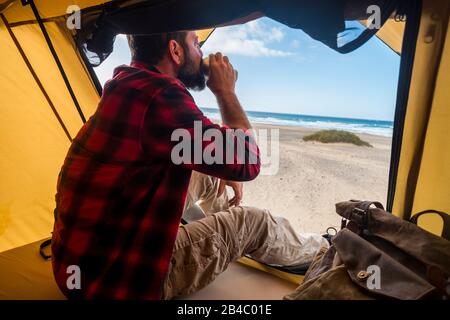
pixel 374 127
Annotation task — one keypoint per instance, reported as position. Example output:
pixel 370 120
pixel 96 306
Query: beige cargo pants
pixel 204 248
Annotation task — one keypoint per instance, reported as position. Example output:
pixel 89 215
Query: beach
pixel 313 176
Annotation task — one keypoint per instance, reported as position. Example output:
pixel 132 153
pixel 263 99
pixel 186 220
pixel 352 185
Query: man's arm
pixel 169 128
pixel 222 84
pixel 232 113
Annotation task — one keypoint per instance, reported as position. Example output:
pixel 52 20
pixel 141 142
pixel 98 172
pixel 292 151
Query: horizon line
pixel 308 115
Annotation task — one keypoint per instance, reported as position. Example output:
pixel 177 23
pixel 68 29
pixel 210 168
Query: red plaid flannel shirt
pixel 119 196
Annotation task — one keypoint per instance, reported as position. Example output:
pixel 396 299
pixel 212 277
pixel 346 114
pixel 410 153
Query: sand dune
pixel 313 176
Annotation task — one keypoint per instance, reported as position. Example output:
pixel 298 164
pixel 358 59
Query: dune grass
pixel 333 136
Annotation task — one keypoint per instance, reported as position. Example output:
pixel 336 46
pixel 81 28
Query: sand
pixel 313 176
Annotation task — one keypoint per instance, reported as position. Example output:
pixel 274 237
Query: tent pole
pixel 36 78
pixel 6 5
pixel 55 56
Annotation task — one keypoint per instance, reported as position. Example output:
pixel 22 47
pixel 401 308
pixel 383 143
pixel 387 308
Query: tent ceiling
pixel 47 9
pixel 15 12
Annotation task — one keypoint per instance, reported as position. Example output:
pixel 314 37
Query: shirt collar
pixel 144 65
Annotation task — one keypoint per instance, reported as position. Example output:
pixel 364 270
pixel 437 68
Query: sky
pixel 283 70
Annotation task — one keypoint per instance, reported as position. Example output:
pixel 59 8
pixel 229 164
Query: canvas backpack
pixel 377 255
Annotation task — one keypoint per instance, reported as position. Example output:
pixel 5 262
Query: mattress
pixel 25 275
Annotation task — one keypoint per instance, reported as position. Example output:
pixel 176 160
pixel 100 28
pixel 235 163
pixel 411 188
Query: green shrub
pixel 332 136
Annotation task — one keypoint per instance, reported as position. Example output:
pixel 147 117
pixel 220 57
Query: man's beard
pixel 193 78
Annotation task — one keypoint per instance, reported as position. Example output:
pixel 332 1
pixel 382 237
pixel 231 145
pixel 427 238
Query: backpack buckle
pixel 359 216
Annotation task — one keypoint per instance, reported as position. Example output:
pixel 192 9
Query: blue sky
pixel 284 70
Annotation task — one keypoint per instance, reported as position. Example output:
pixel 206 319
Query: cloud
pixel 251 39
pixel 295 44
pixel 256 29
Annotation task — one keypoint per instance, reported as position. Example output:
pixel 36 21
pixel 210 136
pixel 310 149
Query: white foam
pixel 373 129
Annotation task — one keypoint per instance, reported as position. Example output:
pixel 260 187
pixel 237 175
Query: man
pixel 221 234
pixel 119 195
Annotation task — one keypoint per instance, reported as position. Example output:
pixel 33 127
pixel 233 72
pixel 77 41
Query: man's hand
pixel 237 189
pixel 221 79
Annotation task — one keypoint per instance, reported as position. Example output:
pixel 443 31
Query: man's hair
pixel 152 48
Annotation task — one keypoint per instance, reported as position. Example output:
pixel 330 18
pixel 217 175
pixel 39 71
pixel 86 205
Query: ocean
pixel 375 127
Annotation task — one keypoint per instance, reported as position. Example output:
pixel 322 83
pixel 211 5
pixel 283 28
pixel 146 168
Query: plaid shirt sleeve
pixel 173 120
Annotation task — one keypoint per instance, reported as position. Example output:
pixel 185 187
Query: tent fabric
pixel 33 144
pixel 16 12
pixel 392 34
pixel 423 179
pixel 25 275
pixel 433 181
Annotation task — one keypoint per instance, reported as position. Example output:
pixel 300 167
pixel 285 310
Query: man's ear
pixel 176 52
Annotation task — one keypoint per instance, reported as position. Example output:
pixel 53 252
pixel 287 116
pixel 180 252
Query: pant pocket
pixel 197 264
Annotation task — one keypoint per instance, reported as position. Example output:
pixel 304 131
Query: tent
pixel 48 89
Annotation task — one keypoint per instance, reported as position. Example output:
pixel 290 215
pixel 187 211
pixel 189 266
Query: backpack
pixel 377 255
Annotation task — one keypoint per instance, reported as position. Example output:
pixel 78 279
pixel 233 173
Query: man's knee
pixel 254 215
pixel 252 221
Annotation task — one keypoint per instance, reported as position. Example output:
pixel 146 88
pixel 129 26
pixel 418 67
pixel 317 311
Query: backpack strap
pixel 42 246
pixel 355 214
pixel 360 212
pixel 445 218
pixel 365 205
